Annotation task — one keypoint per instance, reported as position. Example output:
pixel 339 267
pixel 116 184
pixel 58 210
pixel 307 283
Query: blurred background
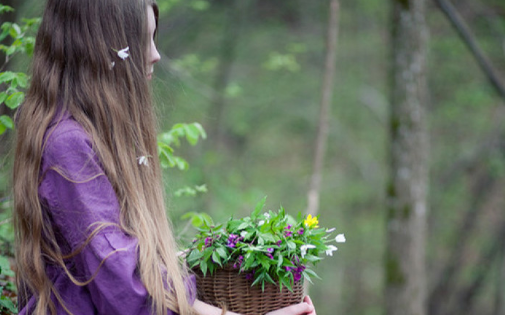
pixel 252 73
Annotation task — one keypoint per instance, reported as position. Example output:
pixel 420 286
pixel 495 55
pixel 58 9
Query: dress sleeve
pixel 79 195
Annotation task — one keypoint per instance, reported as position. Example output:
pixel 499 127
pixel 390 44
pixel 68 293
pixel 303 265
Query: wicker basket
pixel 230 288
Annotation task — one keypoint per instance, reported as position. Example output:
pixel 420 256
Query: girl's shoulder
pixel 66 143
pixel 64 127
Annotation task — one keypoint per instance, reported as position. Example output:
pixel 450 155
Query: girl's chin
pixel 149 76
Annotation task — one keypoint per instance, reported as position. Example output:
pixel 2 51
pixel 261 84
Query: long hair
pixel 72 67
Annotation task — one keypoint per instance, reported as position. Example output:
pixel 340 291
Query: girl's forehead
pixel 151 19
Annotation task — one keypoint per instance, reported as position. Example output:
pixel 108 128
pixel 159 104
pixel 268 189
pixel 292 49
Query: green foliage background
pixel 272 53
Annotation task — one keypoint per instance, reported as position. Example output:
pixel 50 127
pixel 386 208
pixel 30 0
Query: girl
pixel 91 228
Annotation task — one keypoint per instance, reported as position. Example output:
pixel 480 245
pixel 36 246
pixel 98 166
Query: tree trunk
pixel 324 113
pixel 407 191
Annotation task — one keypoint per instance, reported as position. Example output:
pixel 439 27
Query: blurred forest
pixel 251 72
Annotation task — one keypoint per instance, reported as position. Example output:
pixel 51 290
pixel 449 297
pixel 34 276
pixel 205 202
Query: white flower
pixel 123 53
pixel 243 233
pixel 267 215
pixel 340 238
pixel 330 250
pixel 261 222
pixel 143 160
pixel 304 248
pixel 330 230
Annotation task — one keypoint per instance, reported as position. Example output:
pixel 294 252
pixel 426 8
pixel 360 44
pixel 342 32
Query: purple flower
pixel 288 227
pixel 270 250
pixel 279 242
pixel 296 271
pixel 270 256
pixel 233 240
pixel 250 275
pixel 239 262
pixel 300 231
pixel 288 233
pixel 297 276
pixel 208 241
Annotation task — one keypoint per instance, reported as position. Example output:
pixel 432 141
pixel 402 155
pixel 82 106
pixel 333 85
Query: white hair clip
pixel 143 160
pixel 123 53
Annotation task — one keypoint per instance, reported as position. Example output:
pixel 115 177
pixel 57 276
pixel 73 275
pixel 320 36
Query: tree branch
pixel 467 37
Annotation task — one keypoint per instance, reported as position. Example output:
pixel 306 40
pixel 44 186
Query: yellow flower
pixel 311 221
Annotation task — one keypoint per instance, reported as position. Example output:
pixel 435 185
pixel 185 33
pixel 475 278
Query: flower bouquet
pixel 258 263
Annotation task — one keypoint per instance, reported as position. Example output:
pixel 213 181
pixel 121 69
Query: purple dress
pixel 75 193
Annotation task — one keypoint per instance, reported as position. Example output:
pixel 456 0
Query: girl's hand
pixel 304 308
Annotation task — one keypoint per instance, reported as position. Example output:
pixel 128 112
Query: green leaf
pixel 269 279
pixel 166 155
pixel 312 273
pixel 279 262
pixel 216 258
pixel 181 163
pixel 207 253
pixel 201 188
pixel 233 225
pixel 7 76
pixel 291 245
pixel 207 219
pixel 265 262
pixel 196 221
pixel 5 8
pixel 14 100
pixel 30 44
pixel 194 255
pixel 200 130
pixel 185 191
pixel 7 303
pixel 192 134
pixel 212 268
pixel 15 31
pixel 3 129
pixel 248 261
pixel 7 121
pixel 259 278
pixel 222 252
pixel 285 281
pixel 267 237
pixel 307 277
pixel 258 208
pixel 243 226
pixel 203 268
pixel 22 79
pixel 261 241
pixel 11 50
pixel 5 266
pixel 312 258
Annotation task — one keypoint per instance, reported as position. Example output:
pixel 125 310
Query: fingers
pixel 297 309
pixel 309 302
pixel 302 309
